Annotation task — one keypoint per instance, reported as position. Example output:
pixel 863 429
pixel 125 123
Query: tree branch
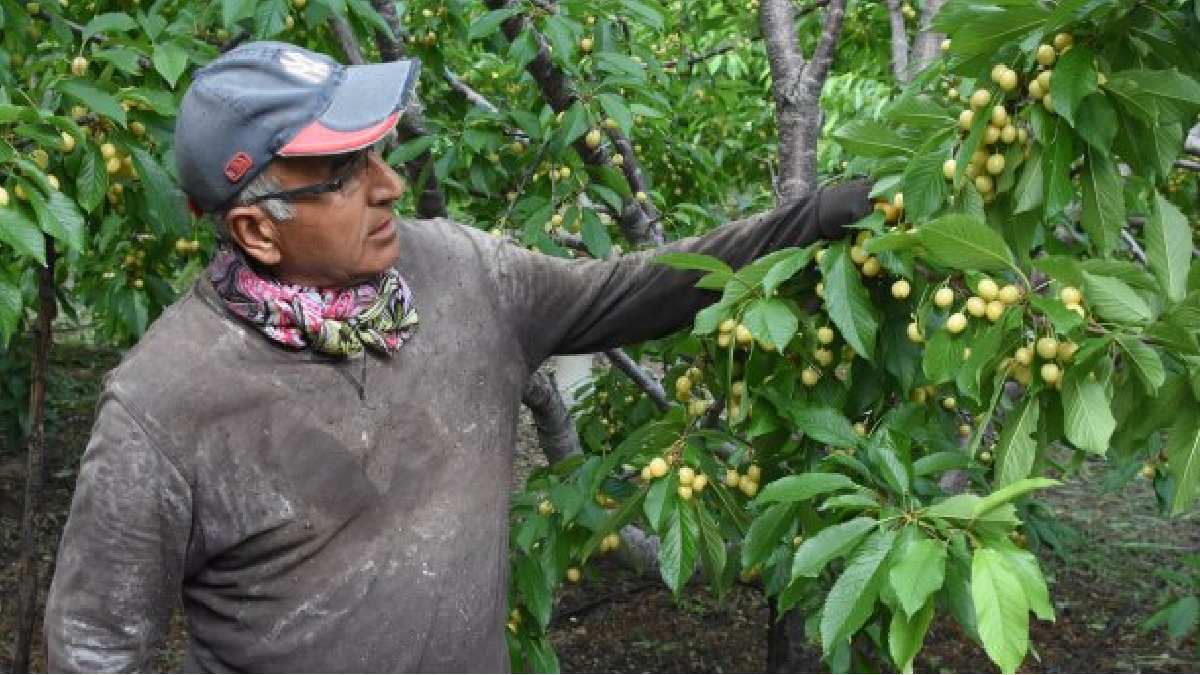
pixel 555 426
pixel 637 219
pixel 346 39
pixel 818 66
pixel 1191 144
pixel 391 46
pixel 640 376
pixel 1133 246
pixel 899 42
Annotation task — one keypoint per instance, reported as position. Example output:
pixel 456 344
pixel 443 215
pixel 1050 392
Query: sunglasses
pixel 344 169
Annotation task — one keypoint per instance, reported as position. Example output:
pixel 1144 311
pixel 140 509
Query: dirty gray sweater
pixel 311 525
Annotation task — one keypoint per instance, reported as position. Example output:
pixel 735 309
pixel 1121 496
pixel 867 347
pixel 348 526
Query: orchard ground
pixel 617 621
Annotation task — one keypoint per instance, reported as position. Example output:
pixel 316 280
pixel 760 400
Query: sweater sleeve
pixel 122 555
pixel 564 306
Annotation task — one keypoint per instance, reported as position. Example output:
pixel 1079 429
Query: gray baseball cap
pixel 271 99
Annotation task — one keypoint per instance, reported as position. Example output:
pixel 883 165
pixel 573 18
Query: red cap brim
pixel 316 139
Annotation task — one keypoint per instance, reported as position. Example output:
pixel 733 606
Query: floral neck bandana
pixel 337 321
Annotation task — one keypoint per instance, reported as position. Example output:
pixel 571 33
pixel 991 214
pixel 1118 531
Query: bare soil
pixel 618 621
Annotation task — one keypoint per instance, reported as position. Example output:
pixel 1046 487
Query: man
pixel 321 471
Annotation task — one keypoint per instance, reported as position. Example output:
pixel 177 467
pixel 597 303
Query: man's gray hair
pixel 276 209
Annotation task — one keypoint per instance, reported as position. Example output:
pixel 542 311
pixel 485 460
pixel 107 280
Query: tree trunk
pixel 27 564
pixel 927 44
pixel 796 87
pixel 899 42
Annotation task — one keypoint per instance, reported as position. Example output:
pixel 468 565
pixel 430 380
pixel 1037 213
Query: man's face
pixel 337 238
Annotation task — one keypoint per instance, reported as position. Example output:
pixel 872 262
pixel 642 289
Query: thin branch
pixel 1187 164
pixel 899 42
pixel 346 39
pixel 818 66
pixel 640 376
pixel 1133 246
pixel 391 42
pixel 473 97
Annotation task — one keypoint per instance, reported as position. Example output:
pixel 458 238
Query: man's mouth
pixel 385 228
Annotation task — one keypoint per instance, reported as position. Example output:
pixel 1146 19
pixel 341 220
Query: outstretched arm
pixel 565 306
pixel 121 560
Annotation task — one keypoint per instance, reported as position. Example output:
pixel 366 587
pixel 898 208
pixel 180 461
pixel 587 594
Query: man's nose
pixel 386 185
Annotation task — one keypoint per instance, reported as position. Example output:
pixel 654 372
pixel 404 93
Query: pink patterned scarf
pixel 336 321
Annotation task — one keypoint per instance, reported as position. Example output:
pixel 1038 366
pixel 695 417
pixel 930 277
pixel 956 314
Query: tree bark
pixel 27 569
pixel 796 87
pixel 927 44
pixel 640 376
pixel 899 42
pixel 555 427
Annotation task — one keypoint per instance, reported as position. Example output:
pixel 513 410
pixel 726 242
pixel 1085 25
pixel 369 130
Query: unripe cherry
pixel 957 323
pixel 943 297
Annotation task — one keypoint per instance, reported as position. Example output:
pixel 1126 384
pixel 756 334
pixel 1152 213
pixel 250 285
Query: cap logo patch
pixel 304 67
pixel 237 166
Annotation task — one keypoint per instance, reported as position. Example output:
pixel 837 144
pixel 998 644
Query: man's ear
pixel 255 232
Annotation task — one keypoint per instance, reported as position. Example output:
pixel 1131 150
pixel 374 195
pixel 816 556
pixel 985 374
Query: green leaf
pixel 798 488
pixel 1009 493
pixel 692 261
pixel 233 11
pixel 558 32
pixel 834 541
pixel 925 188
pixel 824 424
pixel 766 532
pixel 785 269
pixel 660 500
pixel 170 60
pixel 847 302
pixel 962 242
pixel 906 636
pixel 22 234
pixel 1103 203
pixel 771 319
pixel 852 599
pixel 869 138
pixel 962 507
pixel 490 22
pixel 410 150
pixel 1168 247
pixel 918 573
pixel 164 201
pixel 1074 80
pixel 101 102
pixel 1024 565
pixel 649 14
pixel 1183 458
pixel 595 235
pixel 614 106
pixel 1001 609
pixel 108 22
pixel 1158 96
pixel 68 221
pixel 1017 448
pixel 1146 362
pixel 712 544
pixel 1096 122
pixel 1114 300
pixel 11 310
pixel 1088 422
pixel 575 123
pixel 1057 157
pixel 677 553
pixel 92 180
pixel 535 590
